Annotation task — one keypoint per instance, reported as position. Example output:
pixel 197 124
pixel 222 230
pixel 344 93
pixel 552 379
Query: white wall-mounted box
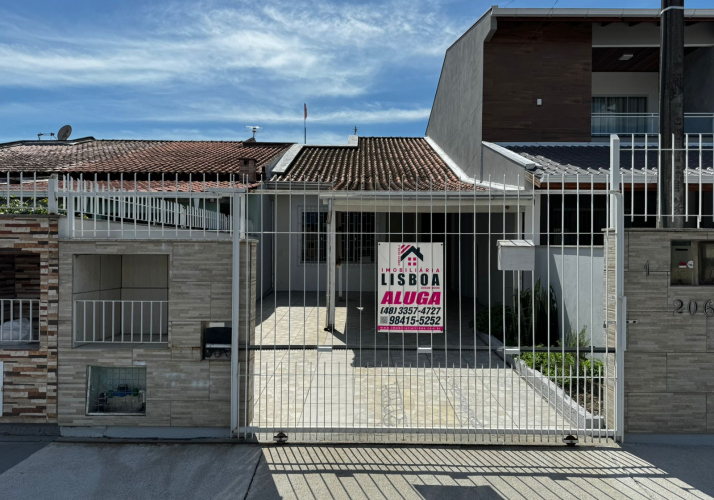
pixel 516 255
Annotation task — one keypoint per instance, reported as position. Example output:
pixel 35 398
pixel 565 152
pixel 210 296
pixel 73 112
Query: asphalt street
pixel 61 470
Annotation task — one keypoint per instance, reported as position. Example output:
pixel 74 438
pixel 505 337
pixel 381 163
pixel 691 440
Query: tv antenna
pixel 42 134
pixel 254 128
pixel 64 133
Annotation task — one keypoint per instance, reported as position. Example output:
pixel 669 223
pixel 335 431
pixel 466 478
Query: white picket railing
pixel 120 321
pixel 19 320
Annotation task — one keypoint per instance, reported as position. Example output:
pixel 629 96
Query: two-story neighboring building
pixel 535 94
pixel 562 77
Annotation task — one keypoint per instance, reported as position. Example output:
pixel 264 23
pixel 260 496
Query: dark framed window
pixel 560 218
pixel 314 237
pixel 358 239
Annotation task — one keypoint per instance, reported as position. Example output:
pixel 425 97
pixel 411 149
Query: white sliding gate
pixel 470 315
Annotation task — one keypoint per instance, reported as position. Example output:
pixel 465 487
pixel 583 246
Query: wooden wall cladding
pixel 527 61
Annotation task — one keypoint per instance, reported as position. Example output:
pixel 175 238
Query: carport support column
pixel 617 223
pixel 237 227
pixel 331 264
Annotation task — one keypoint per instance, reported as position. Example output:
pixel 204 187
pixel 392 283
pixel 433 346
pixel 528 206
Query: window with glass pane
pixel 116 390
pixel 629 113
pixel 358 242
pixel 314 238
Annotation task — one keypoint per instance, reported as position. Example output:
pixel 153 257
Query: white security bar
pixel 120 321
pixel 19 320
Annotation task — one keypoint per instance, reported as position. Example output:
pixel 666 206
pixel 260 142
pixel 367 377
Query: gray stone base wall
pixel 183 390
pixel 669 361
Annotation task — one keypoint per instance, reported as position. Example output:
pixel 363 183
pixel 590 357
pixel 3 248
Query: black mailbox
pixel 217 342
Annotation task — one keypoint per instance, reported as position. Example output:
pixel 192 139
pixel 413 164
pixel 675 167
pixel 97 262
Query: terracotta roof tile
pixel 223 157
pixel 376 164
pixel 142 186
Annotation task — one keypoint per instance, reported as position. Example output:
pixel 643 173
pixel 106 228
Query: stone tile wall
pixel 182 389
pixel 669 361
pixel 30 373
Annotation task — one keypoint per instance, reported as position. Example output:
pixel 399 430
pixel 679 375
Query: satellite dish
pixel 64 133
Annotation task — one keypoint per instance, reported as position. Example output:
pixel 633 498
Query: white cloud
pixel 219 111
pixel 298 48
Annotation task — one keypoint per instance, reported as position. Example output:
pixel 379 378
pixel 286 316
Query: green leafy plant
pixel 564 368
pixel 533 308
pixel 16 206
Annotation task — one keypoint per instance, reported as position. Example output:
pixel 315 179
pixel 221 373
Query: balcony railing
pixel 604 124
pixel 120 321
pixel 19 320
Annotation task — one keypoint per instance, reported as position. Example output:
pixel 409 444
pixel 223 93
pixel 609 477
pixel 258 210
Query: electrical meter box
pixel 682 264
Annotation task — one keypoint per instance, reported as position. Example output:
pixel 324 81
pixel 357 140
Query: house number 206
pixel 693 307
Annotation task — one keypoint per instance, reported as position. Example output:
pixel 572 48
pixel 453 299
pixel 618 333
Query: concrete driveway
pixel 157 471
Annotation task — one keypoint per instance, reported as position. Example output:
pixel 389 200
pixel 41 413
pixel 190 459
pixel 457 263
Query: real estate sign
pixel 411 287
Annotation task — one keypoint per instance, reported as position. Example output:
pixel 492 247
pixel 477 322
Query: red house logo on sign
pixel 408 255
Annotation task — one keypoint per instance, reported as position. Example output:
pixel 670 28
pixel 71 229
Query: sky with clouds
pixel 205 69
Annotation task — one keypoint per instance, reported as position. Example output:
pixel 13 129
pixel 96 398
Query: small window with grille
pixel 314 237
pixel 116 390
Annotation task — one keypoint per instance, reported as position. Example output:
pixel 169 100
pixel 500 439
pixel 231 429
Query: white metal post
pixel 235 299
pixel 617 223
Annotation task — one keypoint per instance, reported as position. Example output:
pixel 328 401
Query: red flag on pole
pixel 305 111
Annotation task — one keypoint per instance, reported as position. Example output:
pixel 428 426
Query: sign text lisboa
pixel 411 287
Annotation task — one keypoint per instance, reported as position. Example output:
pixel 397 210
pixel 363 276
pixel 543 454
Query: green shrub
pixel 543 302
pixel 565 364
pixel 25 207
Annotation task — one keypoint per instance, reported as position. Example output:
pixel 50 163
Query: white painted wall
pixel 290 273
pixel 628 84
pixel 587 291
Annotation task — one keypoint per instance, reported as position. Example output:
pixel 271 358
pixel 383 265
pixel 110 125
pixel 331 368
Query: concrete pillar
pixel 331 264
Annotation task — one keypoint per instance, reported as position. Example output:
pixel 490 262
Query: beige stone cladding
pixel 30 372
pixel 182 389
pixel 669 361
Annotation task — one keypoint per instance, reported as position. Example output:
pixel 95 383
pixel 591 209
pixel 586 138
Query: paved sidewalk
pixel 157 471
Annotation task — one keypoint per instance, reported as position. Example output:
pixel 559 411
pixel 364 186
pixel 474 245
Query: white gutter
pixel 514 157
pixel 463 177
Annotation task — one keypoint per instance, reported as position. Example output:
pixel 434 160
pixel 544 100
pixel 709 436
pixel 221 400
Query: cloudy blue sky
pixel 205 69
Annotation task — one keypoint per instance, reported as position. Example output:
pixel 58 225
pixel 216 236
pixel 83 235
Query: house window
pixel 568 223
pixel 628 115
pixel 358 240
pixel 314 237
pixel 619 104
pixel 116 390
